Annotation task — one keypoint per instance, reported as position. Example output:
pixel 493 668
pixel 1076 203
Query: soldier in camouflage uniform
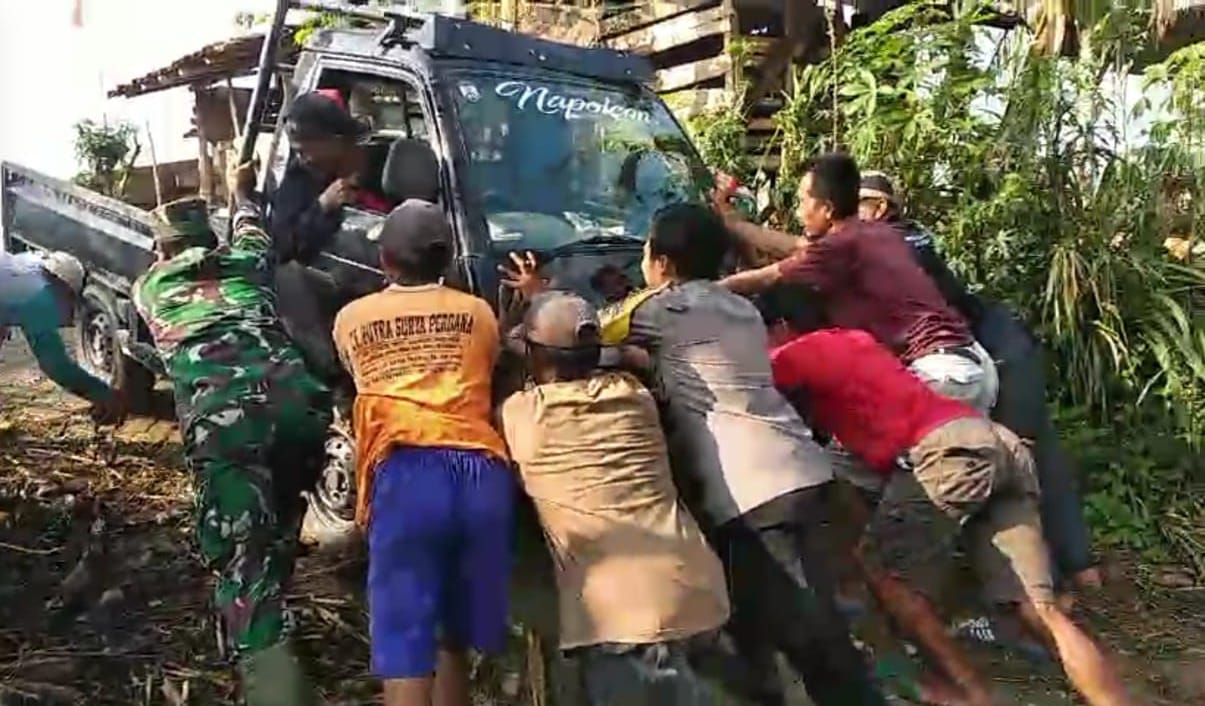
pixel 253 423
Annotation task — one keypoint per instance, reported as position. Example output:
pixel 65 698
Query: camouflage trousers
pixel 254 437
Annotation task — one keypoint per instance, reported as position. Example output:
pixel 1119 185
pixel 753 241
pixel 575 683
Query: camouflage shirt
pixel 203 294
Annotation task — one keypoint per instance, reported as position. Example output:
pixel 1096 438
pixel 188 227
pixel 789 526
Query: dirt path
pixel 102 602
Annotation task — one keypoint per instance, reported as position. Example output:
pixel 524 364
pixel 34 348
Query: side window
pixel 392 109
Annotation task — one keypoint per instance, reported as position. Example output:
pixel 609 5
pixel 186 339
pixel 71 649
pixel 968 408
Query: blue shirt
pixel 27 302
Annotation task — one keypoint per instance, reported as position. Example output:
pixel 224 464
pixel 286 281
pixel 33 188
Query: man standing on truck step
pixel 321 178
pixel 38 294
pixel 253 423
pixel 306 210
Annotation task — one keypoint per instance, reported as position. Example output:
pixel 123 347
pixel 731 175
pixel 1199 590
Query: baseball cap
pixel 317 114
pixel 414 233
pixel 560 319
pixel 876 185
pixel 65 268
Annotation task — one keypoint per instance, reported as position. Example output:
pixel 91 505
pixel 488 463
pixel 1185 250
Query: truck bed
pixel 112 239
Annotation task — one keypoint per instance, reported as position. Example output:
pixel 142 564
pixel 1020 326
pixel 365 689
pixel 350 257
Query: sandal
pixel 984 630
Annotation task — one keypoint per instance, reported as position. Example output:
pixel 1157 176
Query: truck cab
pixel 543 147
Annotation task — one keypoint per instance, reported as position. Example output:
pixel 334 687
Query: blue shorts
pixel 439 557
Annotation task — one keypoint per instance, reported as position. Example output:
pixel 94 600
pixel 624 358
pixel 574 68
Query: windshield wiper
pixel 594 241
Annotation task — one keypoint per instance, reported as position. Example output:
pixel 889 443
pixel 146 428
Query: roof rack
pixel 399 19
pixel 361 11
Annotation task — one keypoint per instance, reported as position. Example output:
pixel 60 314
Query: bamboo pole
pixel 150 141
pixel 204 163
pixel 234 121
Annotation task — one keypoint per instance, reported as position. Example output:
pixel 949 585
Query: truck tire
pixel 329 521
pixel 97 349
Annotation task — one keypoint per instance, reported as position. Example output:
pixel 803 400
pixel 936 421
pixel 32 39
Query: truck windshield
pixel 560 161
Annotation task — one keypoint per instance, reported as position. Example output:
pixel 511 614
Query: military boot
pixel 273 677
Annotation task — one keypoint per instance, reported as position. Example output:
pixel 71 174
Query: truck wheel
pixel 329 521
pixel 97 349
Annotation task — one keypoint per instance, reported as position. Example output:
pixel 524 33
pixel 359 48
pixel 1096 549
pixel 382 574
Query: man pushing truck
pixel 38 295
pixel 253 422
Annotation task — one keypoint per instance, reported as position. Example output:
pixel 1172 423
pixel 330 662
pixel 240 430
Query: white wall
pixel 53 75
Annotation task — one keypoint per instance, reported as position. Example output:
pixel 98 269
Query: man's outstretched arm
pixel 753 281
pixel 248 232
pixel 247 226
pixel 51 353
pixel 776 243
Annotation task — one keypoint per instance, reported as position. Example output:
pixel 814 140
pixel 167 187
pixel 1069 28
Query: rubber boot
pixel 273 677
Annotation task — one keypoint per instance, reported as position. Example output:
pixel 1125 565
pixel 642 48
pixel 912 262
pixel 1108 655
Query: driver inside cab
pixel 325 173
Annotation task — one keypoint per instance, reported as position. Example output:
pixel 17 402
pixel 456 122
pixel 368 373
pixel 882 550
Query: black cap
pixel 876 185
pixel 415 234
pixel 314 115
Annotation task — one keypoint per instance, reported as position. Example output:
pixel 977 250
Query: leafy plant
pixel 323 20
pixel 720 134
pixel 107 153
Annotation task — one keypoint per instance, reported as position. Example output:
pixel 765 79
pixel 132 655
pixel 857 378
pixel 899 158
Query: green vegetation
pixel 1030 170
pixel 107 153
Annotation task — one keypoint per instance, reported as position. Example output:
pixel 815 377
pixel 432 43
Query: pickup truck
pixel 541 146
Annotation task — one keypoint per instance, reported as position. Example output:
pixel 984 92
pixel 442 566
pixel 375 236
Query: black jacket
pixel 952 288
pixel 300 229
pixel 994 324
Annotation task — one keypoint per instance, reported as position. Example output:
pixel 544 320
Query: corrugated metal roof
pixel 220 60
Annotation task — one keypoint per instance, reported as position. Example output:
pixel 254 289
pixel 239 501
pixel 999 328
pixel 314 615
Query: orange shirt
pixel 422 359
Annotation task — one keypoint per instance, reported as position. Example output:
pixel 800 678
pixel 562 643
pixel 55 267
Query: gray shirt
pixel 730 431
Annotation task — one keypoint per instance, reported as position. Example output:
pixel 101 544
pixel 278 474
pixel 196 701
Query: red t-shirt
pixel 370 201
pixel 859 392
pixel 868 279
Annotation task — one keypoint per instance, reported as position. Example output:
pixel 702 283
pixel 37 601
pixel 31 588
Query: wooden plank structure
pixel 219 108
pixel 1178 23
pixel 709 53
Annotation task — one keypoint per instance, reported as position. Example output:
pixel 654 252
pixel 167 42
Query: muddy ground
pixel 102 600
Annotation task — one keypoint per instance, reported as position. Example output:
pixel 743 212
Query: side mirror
pixel 411 171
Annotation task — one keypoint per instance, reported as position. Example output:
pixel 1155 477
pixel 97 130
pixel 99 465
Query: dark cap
pixel 560 319
pixel 184 222
pixel 414 233
pixel 316 115
pixel 876 185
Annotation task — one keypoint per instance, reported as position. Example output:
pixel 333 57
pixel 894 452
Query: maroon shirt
pixel 868 279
